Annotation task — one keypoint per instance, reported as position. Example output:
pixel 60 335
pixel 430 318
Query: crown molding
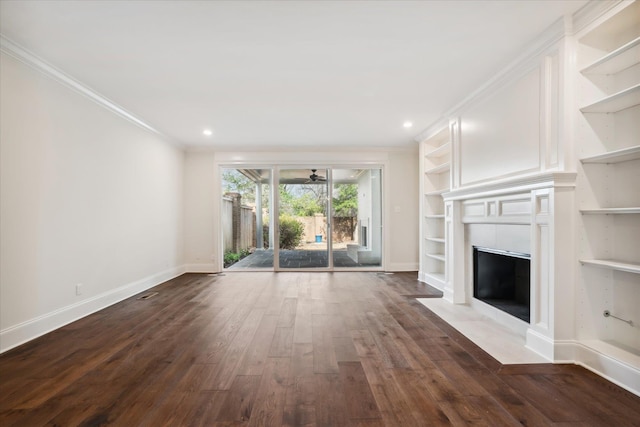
pixel 410 148
pixel 28 58
pixel 433 129
pixel 592 11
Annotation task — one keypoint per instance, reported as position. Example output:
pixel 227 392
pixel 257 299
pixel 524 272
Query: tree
pixel 235 182
pixel 301 200
pixel 345 203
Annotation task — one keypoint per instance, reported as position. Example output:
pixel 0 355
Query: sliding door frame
pixel 276 252
pixel 275 166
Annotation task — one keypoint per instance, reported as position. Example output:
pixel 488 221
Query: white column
pixel 259 226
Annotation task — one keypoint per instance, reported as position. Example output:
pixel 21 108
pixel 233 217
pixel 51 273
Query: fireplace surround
pixel 526 215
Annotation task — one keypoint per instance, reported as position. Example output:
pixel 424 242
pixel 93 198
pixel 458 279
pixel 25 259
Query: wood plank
pixel 238 404
pixel 330 404
pixel 302 330
pixel 271 394
pixel 357 392
pixel 300 399
pixel 324 355
pixel 345 350
pixel 229 364
pixel 246 348
pixel 256 353
pixel 288 313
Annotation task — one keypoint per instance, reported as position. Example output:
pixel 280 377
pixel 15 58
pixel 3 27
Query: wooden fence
pixel 238 224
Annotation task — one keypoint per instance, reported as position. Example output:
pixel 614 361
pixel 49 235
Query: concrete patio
pixel 297 259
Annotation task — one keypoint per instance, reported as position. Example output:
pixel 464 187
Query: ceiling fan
pixel 314 177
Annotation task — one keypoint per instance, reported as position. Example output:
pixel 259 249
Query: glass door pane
pixel 247 229
pixel 304 231
pixel 357 217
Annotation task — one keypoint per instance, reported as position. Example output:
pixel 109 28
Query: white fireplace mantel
pixel 513 185
pixel 543 203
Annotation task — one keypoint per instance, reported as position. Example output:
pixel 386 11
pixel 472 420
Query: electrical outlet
pixel 79 289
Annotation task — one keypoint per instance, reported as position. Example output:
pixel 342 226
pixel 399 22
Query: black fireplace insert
pixel 503 279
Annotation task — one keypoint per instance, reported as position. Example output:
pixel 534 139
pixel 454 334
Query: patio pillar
pixel 236 203
pixel 259 227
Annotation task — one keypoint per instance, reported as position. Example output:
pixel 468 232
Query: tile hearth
pixel 500 342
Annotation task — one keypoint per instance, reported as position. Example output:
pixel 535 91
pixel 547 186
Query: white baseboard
pixel 564 351
pixel 201 268
pixel 401 266
pixel 447 295
pixel 625 375
pixel 16 335
pixel 540 344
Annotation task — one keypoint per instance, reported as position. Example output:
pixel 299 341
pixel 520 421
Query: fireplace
pixel 502 280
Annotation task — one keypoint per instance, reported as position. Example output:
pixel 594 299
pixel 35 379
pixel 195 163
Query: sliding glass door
pixel 357 218
pixel 246 218
pixel 304 228
pixel 318 218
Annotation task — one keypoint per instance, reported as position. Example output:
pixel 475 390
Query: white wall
pixel 87 198
pixel 200 217
pixel 202 192
pixel 402 211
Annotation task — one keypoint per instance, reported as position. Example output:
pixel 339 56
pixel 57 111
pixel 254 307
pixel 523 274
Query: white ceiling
pixel 279 74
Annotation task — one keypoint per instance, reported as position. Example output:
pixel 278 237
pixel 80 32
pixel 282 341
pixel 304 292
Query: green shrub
pixel 231 258
pixel 265 235
pixel 291 231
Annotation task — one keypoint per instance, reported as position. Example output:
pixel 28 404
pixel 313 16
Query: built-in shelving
pixel 612 265
pixel 444 167
pixel 435 239
pixel 442 150
pixel 617 156
pixel 436 170
pixel 619 101
pixel 620 59
pixel 611 50
pixel 439 257
pixel 437 192
pixel 610 211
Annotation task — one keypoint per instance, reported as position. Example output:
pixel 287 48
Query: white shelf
pixel 435 239
pixel 437 216
pixel 440 151
pixel 434 168
pixel 444 167
pixel 617 156
pixel 616 61
pixel 611 45
pixel 618 101
pixel 437 192
pixel 610 211
pixel 439 257
pixel 612 265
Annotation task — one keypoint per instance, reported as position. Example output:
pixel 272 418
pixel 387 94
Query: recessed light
pixel 407 124
pixel 207 132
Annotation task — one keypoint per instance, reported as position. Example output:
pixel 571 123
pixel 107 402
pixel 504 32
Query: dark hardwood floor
pixel 294 349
